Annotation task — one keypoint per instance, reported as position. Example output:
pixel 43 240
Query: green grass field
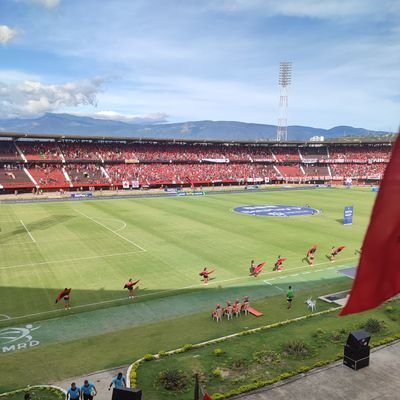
pixel 95 246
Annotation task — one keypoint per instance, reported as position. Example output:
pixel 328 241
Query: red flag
pixel 378 272
pixel 207 396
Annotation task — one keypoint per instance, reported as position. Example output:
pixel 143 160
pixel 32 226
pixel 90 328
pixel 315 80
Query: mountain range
pixel 67 124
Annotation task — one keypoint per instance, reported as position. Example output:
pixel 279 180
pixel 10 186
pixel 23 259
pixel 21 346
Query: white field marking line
pixel 30 235
pixel 268 283
pixel 122 228
pixel 114 232
pixel 5 317
pixel 18 244
pixel 60 309
pixel 69 260
pixel 151 294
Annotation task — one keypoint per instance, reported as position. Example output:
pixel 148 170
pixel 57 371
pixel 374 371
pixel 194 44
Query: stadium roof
pixel 62 137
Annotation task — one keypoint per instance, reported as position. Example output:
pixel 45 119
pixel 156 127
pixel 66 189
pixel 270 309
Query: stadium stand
pixel 54 162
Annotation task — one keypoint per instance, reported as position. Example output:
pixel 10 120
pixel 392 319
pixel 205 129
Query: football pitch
pixel 94 247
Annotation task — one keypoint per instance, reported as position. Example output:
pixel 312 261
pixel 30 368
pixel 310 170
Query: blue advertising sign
pixel 269 210
pixel 348 215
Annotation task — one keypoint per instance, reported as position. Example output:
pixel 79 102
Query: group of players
pixel 255 270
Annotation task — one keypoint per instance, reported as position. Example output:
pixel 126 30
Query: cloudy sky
pixel 188 60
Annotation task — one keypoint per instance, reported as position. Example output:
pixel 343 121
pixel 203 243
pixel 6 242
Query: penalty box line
pixel 27 231
pixel 114 232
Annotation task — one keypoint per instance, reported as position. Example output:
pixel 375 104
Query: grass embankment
pixel 246 362
pixel 124 346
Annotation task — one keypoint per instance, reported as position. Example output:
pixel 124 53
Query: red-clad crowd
pixel 188 173
pixel 40 150
pixel 76 163
pixel 358 170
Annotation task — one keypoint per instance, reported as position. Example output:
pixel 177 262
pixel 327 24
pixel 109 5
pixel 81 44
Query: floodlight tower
pixel 285 78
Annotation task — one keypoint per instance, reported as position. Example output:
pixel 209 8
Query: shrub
pixel 267 357
pixel 239 363
pixel 318 333
pixel 162 354
pixel 217 372
pixel 373 325
pixel 337 336
pixel 389 309
pixel 173 379
pixel 187 347
pixel 218 352
pixel 148 357
pixel 297 348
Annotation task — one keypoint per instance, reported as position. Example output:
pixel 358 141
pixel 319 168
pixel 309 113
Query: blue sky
pixel 188 60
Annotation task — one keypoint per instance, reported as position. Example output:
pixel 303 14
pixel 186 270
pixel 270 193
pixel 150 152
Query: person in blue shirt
pixel 118 381
pixel 73 393
pixel 88 390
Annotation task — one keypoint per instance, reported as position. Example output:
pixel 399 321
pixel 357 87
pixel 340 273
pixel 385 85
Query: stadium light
pixel 285 79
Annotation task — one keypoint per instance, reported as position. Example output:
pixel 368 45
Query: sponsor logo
pixel 267 210
pixel 13 339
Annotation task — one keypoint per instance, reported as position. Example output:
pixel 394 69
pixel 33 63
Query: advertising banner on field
pixel 348 215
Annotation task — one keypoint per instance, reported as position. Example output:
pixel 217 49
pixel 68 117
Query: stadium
pixel 90 213
pixel 172 227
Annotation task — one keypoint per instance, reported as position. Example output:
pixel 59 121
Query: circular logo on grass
pixel 266 210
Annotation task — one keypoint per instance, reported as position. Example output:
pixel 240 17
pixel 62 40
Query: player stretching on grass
pixel 278 264
pixel 65 294
pixel 205 273
pixel 335 251
pixel 130 285
pixel 311 254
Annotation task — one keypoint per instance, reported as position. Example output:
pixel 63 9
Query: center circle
pixel 279 210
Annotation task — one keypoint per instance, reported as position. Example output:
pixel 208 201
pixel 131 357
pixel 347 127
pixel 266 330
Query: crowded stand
pixel 285 153
pixel 290 171
pixel 40 150
pixel 358 170
pixel 314 153
pixel 14 177
pixel 80 151
pixel 362 153
pixel 84 174
pixel 56 162
pixel 8 152
pixel 316 170
pixel 200 173
pixel 48 175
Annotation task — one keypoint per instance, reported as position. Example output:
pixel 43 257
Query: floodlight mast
pixel 285 79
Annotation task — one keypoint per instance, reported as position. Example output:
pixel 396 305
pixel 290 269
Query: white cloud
pixel 32 98
pixel 152 118
pixel 6 34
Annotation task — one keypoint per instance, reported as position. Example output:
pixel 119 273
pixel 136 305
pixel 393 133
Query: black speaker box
pixel 126 394
pixel 358 339
pixel 356 364
pixel 356 354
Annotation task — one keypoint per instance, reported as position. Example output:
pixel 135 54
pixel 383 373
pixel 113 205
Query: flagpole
pixel 196 387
